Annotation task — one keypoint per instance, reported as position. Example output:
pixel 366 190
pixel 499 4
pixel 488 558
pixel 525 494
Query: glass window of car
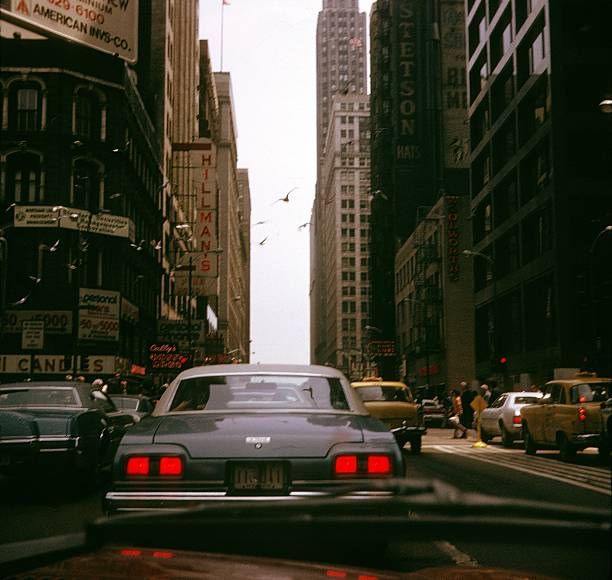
pixel 102 402
pixel 499 402
pixel 38 397
pixel 379 393
pixel 125 403
pixel 259 392
pixel 525 400
pixel 589 392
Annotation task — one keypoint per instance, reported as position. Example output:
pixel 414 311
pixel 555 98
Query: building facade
pixel 339 225
pixel 81 216
pixel 419 133
pixel 540 184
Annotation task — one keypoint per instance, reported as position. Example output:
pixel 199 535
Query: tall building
pixel 419 133
pixel 540 185
pixel 339 288
pixel 341 60
pixel 81 213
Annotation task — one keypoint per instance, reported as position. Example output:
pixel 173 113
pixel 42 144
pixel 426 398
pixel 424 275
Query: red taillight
pixel 516 420
pixel 163 555
pixel 170 466
pixel 345 464
pixel 131 553
pixel 379 464
pixel 138 466
pixel 582 414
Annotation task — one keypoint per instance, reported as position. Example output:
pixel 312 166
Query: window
pixel 26 101
pixel 86 184
pixel 349 307
pixel 536 53
pixel 87 115
pixel 23 178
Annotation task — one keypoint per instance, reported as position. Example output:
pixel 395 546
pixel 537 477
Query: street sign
pixel 32 334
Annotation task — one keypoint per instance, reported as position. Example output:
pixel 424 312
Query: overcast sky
pixel 269 48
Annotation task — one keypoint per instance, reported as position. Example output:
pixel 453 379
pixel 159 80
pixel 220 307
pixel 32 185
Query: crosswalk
pixel 596 479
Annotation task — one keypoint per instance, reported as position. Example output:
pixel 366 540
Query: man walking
pixel 467 396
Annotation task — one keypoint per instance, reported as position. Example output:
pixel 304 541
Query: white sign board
pixel 58 364
pixel 32 334
pixel 110 26
pixel 98 314
pixel 55 321
pixel 48 216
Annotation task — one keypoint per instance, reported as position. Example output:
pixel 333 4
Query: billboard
pixel 98 314
pixel 110 26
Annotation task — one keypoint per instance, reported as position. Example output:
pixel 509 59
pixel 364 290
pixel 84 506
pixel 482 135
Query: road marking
pixel 460 558
pixel 591 478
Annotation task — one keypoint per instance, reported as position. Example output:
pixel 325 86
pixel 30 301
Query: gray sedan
pixel 236 432
pixel 503 417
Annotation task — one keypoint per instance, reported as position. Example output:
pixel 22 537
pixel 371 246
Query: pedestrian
pixel 455 418
pixel 467 414
pixel 485 392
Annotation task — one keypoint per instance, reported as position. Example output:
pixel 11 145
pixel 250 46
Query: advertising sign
pixel 48 216
pixel 165 356
pixel 57 364
pixel 110 25
pixel 55 321
pixel 178 330
pixel 32 334
pixel 98 314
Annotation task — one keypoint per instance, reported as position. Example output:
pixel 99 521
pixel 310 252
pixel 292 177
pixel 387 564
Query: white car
pixel 503 417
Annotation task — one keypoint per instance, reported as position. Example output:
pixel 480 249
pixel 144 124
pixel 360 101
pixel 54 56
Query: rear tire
pixel 567 451
pixel 505 436
pixel 530 446
pixel 415 446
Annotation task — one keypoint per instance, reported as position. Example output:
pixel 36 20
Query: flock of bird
pixel 283 199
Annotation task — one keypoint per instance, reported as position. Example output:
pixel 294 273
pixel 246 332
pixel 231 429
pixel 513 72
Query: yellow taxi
pixel 393 404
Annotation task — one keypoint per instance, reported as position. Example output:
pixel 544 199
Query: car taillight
pixel 582 414
pixel 516 420
pixel 138 466
pixel 345 464
pixel 170 466
pixel 379 464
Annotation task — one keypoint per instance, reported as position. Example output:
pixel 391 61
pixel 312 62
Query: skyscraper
pixel 339 292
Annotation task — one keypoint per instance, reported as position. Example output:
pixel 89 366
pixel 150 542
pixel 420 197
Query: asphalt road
pixel 42 509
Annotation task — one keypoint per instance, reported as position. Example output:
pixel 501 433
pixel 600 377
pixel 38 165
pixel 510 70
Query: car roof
pixel 231 369
pixel 580 380
pixel 523 393
pixel 42 384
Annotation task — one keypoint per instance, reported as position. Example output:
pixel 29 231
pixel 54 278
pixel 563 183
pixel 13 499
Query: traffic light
pixel 500 363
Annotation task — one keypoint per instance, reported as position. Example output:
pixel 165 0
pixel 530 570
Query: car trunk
pixel 51 421
pixel 258 435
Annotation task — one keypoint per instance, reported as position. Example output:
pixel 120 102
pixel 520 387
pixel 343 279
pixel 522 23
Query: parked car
pixel 392 403
pixel 434 412
pixel 503 417
pixel 138 406
pixel 234 432
pixel 569 416
pixel 57 426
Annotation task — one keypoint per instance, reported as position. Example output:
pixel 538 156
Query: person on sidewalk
pixel 467 414
pixel 455 418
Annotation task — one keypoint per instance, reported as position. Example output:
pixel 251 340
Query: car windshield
pixel 125 403
pixel 259 392
pixel 380 393
pixel 39 397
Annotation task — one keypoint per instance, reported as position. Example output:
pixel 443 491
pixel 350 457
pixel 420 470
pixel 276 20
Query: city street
pixel 37 513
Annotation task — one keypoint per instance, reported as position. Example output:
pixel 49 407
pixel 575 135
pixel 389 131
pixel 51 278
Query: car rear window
pixel 591 392
pixel 259 392
pixel 38 397
pixel 125 403
pixel 379 393
pixel 526 400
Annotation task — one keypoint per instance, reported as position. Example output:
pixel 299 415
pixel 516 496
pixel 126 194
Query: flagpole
pixel 221 51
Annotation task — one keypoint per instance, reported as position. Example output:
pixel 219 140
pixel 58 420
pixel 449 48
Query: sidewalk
pixel 437 436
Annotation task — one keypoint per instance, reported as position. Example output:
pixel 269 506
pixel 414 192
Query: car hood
pixel 280 435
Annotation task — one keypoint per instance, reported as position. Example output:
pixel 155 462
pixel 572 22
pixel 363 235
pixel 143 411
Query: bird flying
pixel 286 198
pixel 263 241
pixel 301 227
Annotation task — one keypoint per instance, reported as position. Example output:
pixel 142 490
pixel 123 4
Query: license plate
pixel 258 477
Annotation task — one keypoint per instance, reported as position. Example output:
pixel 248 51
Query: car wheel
pixel 566 450
pixel 484 436
pixel 415 446
pixel 530 446
pixel 505 436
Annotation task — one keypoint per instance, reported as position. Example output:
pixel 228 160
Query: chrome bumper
pixel 124 501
